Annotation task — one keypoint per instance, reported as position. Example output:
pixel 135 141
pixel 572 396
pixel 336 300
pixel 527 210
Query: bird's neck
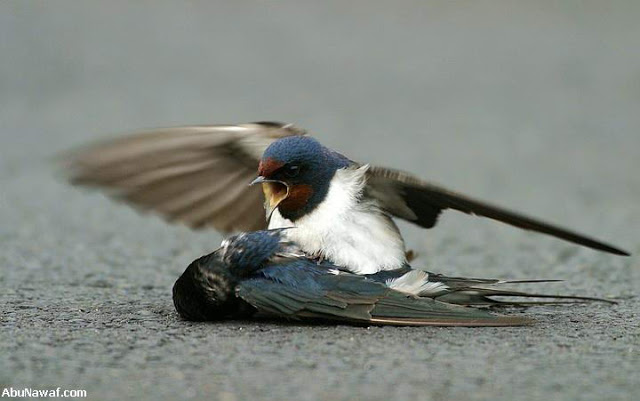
pixel 346 228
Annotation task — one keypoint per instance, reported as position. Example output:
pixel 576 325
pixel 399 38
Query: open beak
pixel 274 192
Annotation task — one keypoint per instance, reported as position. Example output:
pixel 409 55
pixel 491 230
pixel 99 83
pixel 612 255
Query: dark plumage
pixel 305 148
pixel 259 272
pixel 205 291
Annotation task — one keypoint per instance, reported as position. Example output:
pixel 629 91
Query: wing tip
pixel 618 251
pixel 597 245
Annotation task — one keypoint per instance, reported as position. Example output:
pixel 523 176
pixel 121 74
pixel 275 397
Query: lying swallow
pixel 265 273
pixel 342 209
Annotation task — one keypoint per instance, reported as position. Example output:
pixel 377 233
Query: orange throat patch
pixel 298 197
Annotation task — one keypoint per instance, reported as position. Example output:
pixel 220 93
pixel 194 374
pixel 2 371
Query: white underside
pixel 351 232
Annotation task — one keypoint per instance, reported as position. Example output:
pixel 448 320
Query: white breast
pixel 347 230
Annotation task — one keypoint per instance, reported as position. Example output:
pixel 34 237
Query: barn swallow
pixel 263 272
pixel 343 210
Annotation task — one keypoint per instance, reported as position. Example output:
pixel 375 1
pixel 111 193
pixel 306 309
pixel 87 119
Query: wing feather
pixel 406 196
pixel 194 175
pixel 356 299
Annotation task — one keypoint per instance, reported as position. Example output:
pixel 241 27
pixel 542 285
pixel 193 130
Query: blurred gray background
pixel 533 105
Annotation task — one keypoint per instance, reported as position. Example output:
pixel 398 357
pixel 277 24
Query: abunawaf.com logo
pixel 40 393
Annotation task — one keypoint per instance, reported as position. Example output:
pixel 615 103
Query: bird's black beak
pixel 259 180
pixel 275 191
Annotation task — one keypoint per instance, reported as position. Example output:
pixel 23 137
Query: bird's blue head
pixel 295 173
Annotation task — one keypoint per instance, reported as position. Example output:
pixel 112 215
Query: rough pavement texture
pixel 534 106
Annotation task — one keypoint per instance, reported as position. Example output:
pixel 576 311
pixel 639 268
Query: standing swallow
pixel 342 210
pixel 263 272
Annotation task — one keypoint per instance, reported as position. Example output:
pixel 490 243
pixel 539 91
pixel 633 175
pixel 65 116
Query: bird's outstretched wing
pixel 195 175
pixel 353 299
pixel 406 196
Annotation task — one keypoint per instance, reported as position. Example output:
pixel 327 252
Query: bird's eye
pixel 292 170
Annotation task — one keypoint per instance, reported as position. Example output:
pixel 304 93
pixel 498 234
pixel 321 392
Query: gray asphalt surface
pixel 533 105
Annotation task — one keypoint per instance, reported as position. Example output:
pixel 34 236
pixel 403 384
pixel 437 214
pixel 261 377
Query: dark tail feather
pixel 466 281
pixel 484 296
